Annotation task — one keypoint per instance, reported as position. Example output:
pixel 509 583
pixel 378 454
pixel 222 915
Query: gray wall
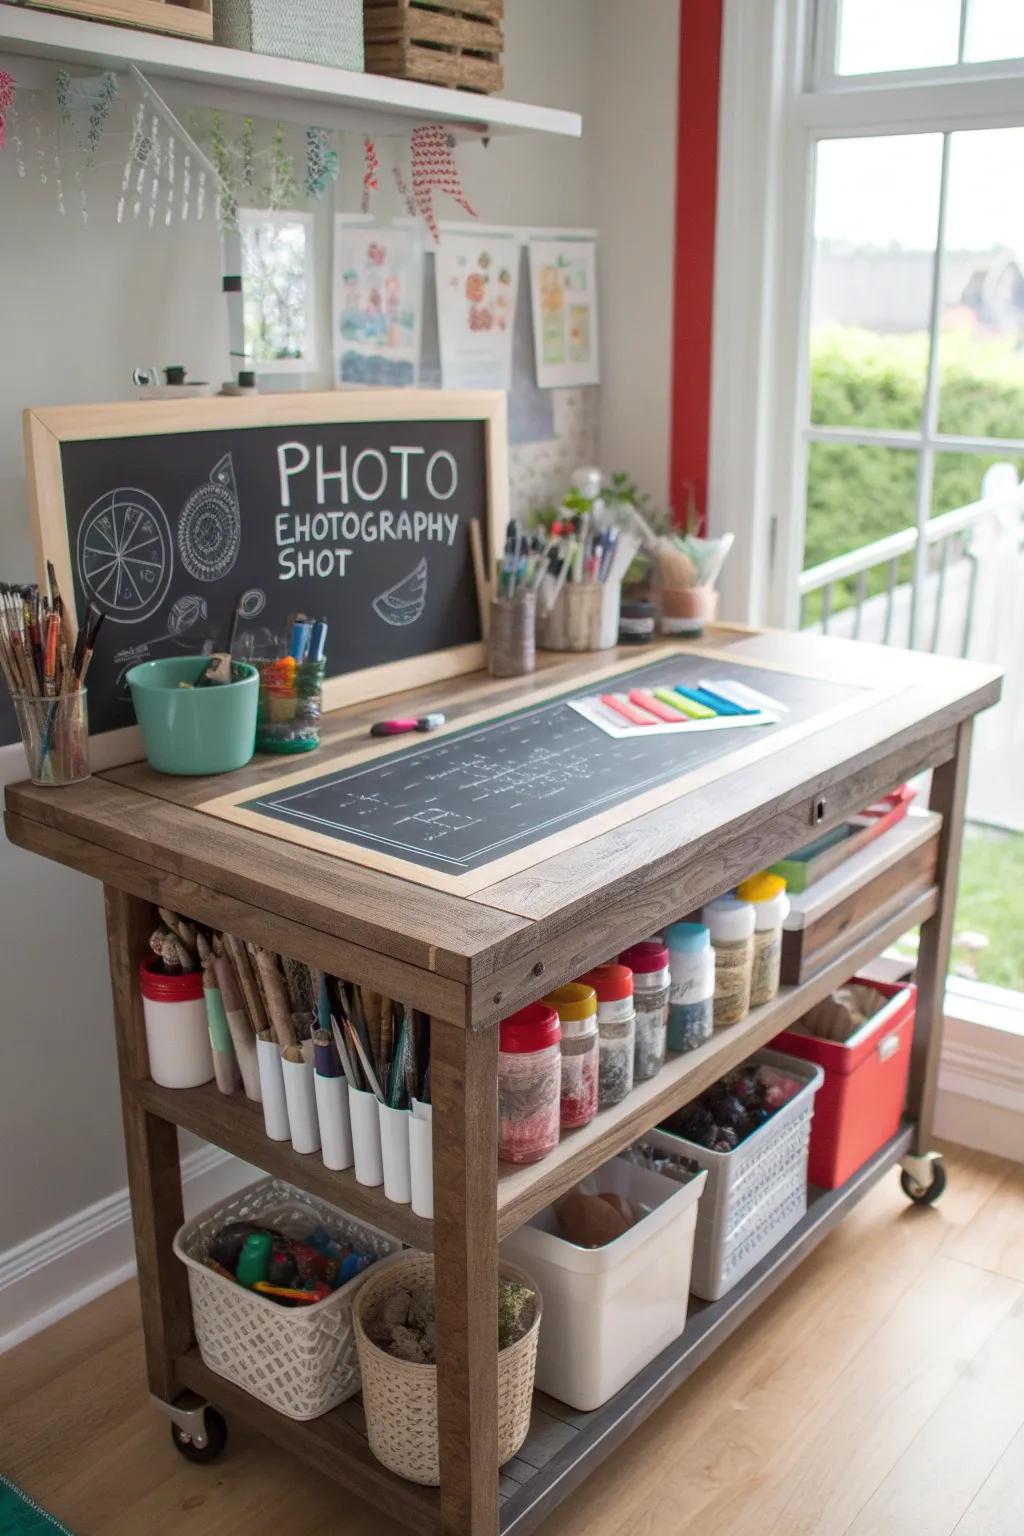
pixel 82 305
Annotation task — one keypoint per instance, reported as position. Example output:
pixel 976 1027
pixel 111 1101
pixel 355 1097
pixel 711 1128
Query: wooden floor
pixel 879 1393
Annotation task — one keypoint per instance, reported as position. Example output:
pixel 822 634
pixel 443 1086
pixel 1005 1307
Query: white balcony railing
pixel 965 598
pixel 950 538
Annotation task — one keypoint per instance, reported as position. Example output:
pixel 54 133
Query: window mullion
pixel 926 463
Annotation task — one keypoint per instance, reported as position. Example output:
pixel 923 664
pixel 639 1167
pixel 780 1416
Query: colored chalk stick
pixel 646 700
pixel 738 693
pixel 718 702
pixel 675 701
pixel 627 710
pixel 694 707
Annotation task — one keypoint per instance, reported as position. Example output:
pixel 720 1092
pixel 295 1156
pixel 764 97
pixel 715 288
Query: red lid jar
pixel 158 987
pixel 611 982
pixel 533 1028
pixel 651 955
pixel 529 1084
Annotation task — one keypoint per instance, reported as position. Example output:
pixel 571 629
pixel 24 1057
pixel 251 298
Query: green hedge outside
pixel 857 494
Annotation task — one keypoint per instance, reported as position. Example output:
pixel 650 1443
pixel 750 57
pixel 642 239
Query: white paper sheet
pixel 563 293
pixel 476 280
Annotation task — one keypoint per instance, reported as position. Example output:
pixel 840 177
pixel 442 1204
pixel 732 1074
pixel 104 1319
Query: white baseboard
pixel 981 1085
pixel 59 1270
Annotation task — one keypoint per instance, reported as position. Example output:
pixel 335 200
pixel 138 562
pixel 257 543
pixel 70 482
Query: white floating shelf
pixel 230 78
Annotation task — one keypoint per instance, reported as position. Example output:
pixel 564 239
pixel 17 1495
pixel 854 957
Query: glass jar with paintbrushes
pixel 44 666
pixel 291 689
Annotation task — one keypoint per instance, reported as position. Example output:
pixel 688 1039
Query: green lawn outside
pixel 991 903
pixel 987 942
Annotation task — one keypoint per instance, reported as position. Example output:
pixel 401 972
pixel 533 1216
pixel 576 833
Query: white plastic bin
pixel 300 1360
pixel 756 1193
pixel 608 1311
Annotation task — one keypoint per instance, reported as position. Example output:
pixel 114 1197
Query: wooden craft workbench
pixel 470 959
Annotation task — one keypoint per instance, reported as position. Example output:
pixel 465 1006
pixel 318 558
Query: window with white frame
pixel 278 290
pixel 890 426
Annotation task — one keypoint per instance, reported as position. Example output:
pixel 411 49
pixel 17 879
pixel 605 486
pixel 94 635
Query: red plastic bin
pixel 860 1103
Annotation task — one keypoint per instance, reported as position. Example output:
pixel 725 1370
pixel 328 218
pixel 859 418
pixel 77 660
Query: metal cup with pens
pixel 291 691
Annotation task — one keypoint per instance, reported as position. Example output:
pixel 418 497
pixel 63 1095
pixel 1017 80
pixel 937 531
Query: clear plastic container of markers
pixel 290 705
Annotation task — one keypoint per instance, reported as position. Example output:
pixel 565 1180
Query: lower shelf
pixel 330 1444
pixel 595 1435
pixel 563 1446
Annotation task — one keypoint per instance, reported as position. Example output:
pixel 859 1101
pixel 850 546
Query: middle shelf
pixel 236 1123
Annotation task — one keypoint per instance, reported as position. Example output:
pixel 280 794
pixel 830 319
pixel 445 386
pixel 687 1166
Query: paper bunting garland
pixel 370 167
pixel 433 169
pixel 160 164
pixel 8 85
pixel 249 175
pixel 322 164
pixel 84 106
pixel 283 190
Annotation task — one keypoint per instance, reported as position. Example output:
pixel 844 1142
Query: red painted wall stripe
pixel 700 46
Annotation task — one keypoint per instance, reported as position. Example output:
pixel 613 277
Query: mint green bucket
pixel 194 730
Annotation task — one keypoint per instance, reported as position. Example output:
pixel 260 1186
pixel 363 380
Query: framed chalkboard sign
pixel 354 507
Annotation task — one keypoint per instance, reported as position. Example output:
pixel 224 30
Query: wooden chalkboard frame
pixel 47 429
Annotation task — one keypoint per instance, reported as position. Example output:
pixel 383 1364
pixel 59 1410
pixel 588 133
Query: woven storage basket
pixel 300 1360
pixel 400 1398
pixel 316 31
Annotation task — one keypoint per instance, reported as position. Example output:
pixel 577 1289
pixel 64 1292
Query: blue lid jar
pixel 689 938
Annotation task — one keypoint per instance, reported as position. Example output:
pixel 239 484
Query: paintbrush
pixel 348 1066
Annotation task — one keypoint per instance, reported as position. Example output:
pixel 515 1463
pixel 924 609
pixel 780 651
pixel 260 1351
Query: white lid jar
pixel 729 920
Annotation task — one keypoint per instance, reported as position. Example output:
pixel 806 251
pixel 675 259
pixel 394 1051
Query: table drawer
pixel 869 888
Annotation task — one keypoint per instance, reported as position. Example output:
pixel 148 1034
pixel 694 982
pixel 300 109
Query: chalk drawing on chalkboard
pixel 210 525
pixel 125 555
pixel 185 614
pixel 252 603
pixel 404 602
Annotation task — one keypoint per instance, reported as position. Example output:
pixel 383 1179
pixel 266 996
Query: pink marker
pixel 645 700
pixel 627 710
pixel 399 727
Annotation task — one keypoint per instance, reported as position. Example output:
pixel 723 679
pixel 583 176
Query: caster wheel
pixel 921 1194
pixel 216 1439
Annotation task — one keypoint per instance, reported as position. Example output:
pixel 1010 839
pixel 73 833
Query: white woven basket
pixel 316 31
pixel 400 1398
pixel 300 1360
pixel 754 1194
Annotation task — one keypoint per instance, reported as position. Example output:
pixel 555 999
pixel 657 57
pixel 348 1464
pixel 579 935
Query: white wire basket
pixel 756 1193
pixel 300 1360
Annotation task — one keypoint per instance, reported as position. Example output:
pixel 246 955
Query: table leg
pixel 151 1146
pixel 948 796
pixel 463 1075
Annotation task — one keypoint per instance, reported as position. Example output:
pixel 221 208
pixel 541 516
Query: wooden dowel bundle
pixel 242 1036
pixel 275 996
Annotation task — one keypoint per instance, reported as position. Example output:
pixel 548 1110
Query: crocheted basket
pixel 400 1398
pixel 317 31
